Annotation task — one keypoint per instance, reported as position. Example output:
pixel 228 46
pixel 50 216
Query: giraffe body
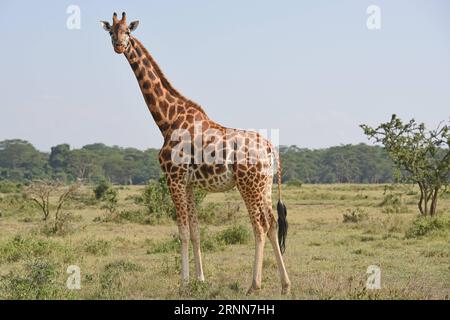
pixel 199 153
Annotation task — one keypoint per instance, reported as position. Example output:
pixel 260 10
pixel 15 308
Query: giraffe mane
pixel 164 80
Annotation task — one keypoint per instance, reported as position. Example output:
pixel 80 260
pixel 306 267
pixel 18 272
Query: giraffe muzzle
pixel 119 48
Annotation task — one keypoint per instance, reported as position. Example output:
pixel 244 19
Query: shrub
pixel 354 216
pixel 209 242
pixel 217 213
pixel 423 226
pixel 38 281
pixel 110 200
pixel 9 187
pixel 234 235
pixel 133 216
pixel 97 247
pixel 100 189
pixel 393 203
pixel 172 244
pixel 20 248
pixel 157 199
pixel 15 204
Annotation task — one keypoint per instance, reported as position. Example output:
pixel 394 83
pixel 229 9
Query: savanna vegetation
pixel 84 208
pixel 127 248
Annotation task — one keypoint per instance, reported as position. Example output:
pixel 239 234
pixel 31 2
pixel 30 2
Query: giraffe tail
pixel 281 209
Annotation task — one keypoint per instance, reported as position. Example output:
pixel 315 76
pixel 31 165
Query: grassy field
pixel 335 233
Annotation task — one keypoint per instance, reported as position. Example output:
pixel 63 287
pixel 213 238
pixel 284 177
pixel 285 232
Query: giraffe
pixel 216 159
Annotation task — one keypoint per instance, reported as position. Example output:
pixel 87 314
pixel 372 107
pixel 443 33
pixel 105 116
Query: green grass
pixel 335 233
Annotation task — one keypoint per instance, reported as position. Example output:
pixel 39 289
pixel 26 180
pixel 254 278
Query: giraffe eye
pixel 110 33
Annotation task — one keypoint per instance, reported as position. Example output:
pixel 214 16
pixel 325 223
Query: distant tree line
pixel 20 161
pixel 340 164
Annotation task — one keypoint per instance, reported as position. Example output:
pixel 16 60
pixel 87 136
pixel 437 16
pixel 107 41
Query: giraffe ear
pixel 133 25
pixel 106 25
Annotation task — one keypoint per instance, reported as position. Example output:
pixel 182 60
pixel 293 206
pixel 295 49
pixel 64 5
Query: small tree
pixel 40 192
pixel 424 156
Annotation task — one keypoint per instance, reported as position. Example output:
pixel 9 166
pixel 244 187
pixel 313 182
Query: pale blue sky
pixel 310 68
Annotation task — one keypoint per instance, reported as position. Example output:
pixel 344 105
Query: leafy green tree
pixel 20 161
pixel 423 155
pixel 83 164
pixel 58 161
pixel 58 156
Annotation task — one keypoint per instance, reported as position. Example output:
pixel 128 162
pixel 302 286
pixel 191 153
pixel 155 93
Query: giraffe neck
pixel 163 101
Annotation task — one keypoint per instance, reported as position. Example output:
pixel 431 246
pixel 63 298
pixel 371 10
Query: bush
pixel 217 213
pixel 158 201
pixel 20 248
pixel 172 244
pixel 97 247
pixel 134 216
pixel 110 199
pixel 393 203
pixel 354 216
pixel 15 203
pixel 156 198
pixel 37 282
pixel 100 190
pixel 423 226
pixel 208 241
pixel 9 187
pixel 234 235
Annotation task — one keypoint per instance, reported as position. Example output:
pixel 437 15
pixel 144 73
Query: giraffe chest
pixel 213 178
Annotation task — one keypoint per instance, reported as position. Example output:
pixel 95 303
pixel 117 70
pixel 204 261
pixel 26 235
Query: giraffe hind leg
pixel 273 237
pixel 258 213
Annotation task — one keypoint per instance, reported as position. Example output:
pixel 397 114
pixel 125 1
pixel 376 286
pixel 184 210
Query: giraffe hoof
pixel 253 290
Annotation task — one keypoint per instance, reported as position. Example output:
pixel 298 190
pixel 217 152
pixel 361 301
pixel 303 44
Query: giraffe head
pixel 120 32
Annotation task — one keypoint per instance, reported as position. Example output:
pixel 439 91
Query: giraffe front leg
pixel 179 197
pixel 195 234
pixel 184 236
